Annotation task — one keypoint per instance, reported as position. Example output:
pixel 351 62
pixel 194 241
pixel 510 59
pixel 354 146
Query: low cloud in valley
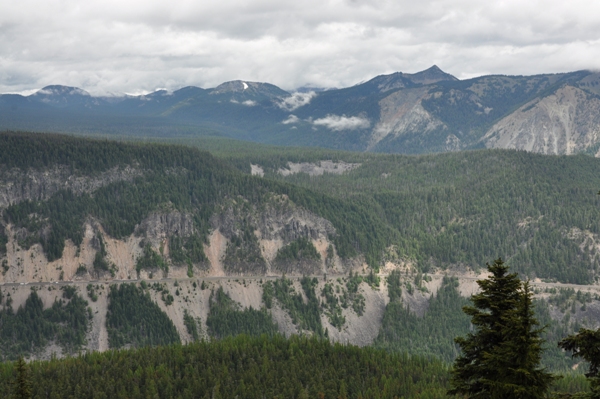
pixel 339 123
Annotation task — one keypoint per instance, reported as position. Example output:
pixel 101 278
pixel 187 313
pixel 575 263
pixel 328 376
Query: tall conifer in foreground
pixel 501 357
pixel 586 344
pixel 22 384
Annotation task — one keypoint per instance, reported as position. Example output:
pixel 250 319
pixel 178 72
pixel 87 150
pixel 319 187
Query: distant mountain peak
pixel 399 80
pixel 433 68
pixel 245 88
pixel 430 75
pixel 64 96
pixel 59 90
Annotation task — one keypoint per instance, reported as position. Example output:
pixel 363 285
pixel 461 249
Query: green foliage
pixel 332 307
pixel 464 208
pixel 501 358
pixel 225 318
pixel 3 241
pixel 191 325
pixel 134 319
pixel 305 315
pixel 31 327
pixel 430 335
pixel 268 294
pixel 150 260
pixel 586 345
pixel 186 250
pixel 166 297
pixel 91 292
pixel 394 285
pixel 68 291
pixel 373 280
pixel 246 367
pixel 100 262
pixel 302 248
pixel 22 384
pixel 243 252
pixel 351 296
pixel 175 177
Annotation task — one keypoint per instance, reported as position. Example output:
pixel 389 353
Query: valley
pixel 134 244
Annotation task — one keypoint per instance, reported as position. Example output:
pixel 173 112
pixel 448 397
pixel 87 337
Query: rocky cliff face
pixel 402 113
pixel 17 185
pixel 271 227
pixel 244 240
pixel 195 301
pixel 563 123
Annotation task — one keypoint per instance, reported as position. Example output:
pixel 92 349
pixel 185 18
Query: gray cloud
pixel 138 46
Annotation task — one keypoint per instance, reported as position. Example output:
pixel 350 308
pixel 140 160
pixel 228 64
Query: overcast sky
pixel 131 46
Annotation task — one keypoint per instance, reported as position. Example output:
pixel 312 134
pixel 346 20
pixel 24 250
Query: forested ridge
pixel 249 367
pixel 260 367
pixel 539 212
pixel 173 177
pixel 436 212
pixel 461 209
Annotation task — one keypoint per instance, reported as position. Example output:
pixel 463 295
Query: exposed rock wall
pixel 17 185
pixel 358 330
pixel 402 113
pixel 563 123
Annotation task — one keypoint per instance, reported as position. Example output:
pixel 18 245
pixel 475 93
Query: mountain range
pixel 425 112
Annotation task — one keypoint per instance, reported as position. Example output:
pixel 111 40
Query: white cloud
pixel 137 46
pixel 339 123
pixel 291 119
pixel 296 100
pixel 248 103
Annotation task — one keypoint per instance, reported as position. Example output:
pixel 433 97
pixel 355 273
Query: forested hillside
pixel 246 367
pixel 541 213
pixel 165 178
pixel 435 210
pixel 170 219
pixel 243 367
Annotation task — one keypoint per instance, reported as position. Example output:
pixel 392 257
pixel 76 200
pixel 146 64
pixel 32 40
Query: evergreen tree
pixel 22 385
pixel 501 358
pixel 586 344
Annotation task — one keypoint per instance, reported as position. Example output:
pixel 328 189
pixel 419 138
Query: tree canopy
pixel 501 357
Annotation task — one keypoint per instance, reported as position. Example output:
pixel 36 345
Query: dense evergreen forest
pixel 134 319
pixel 446 210
pixel 460 209
pixel 431 335
pixel 173 177
pixel 31 327
pixel 261 367
pixel 245 367
pixel 436 212
pixel 225 318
